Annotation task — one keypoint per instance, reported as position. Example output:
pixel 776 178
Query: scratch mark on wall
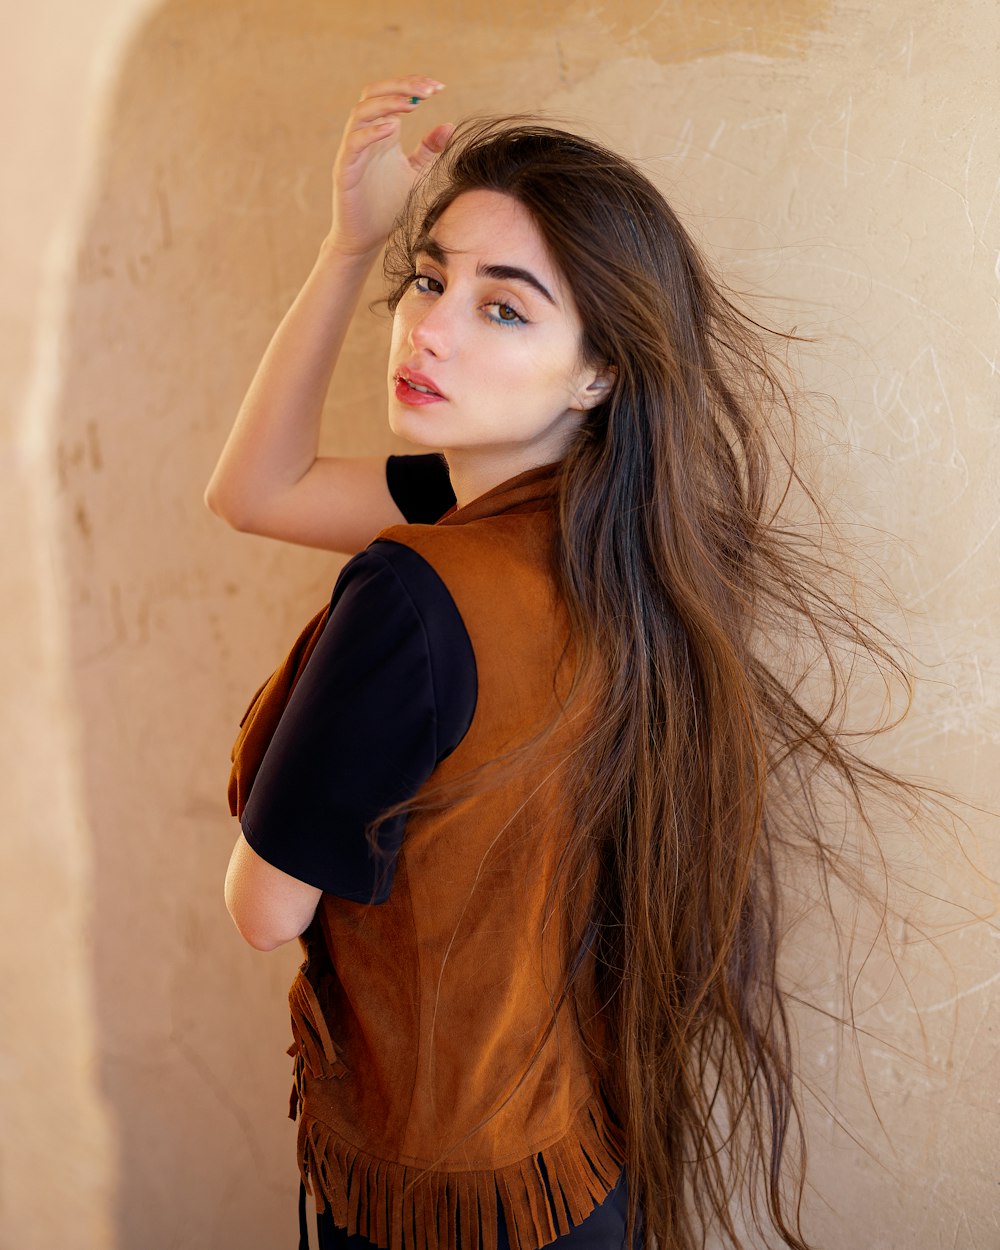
pixel 979 679
pixel 966 197
pixel 895 162
pixel 969 556
pixel 714 140
pixel 991 205
pixel 969 1241
pixel 972 1050
pixel 941 182
pixel 685 139
pixel 962 332
pixel 836 154
pixel 956 460
pixel 849 112
pixel 885 393
pixel 955 998
pixel 768 119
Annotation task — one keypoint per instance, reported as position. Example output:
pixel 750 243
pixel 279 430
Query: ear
pixel 595 386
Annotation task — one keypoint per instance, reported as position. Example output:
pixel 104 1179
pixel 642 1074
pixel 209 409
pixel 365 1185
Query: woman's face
pixel 485 358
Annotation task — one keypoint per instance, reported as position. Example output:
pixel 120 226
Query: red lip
pixel 408 379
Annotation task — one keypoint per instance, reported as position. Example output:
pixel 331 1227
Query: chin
pixel 405 423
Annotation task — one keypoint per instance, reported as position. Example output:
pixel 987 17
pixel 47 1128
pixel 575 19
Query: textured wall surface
pixel 836 160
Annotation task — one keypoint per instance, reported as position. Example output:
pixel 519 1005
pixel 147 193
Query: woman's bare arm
pixel 269 479
pixel 268 906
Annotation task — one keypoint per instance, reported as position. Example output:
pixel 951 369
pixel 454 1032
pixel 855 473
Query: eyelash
pixel 419 281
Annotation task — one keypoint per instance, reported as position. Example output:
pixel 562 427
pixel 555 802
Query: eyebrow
pixel 429 246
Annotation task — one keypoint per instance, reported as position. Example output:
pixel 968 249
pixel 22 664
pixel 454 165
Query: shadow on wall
pixel 211 195
pixel 209 205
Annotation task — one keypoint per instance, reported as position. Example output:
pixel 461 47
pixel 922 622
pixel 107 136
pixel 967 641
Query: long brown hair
pixel 704 625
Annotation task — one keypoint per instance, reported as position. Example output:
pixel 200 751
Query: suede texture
pixel 435 1072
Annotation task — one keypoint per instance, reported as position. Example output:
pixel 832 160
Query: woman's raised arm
pixel 269 479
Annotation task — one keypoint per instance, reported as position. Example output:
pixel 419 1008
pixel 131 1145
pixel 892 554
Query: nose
pixel 431 329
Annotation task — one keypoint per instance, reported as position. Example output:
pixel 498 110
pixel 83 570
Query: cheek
pixel 552 368
pixel 398 331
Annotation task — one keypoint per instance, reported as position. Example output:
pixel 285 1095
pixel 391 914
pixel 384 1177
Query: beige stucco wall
pixel 166 183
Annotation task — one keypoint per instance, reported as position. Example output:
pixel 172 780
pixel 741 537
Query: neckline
pixel 528 491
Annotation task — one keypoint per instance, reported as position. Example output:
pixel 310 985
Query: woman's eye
pixel 427 285
pixel 503 314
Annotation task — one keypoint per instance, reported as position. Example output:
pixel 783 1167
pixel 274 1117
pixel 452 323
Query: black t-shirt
pixel 389 692
pixel 420 487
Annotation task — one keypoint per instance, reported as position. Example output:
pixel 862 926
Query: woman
pixel 522 787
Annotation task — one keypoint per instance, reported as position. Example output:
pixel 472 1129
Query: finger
pixel 416 85
pixel 360 140
pixel 431 146
pixel 381 106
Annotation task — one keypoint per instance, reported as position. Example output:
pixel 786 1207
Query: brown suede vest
pixel 434 1070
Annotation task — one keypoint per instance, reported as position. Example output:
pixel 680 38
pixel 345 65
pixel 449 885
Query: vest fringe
pixel 313 1042
pixel 400 1207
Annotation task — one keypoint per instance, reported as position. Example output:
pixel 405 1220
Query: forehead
pixel 491 226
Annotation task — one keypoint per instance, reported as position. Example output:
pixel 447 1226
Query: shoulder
pixel 399 566
pixel 485 563
pixel 393 617
pixel 394 575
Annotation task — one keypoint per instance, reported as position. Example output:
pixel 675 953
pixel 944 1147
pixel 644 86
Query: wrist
pixel 339 251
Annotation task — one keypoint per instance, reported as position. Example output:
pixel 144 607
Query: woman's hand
pixel 372 175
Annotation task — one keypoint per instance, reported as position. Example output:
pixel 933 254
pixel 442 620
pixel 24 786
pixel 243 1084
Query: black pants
pixel 603 1229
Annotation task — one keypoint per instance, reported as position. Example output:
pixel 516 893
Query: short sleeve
pixel 388 692
pixel 420 487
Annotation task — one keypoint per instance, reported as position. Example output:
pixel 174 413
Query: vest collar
pixel 530 491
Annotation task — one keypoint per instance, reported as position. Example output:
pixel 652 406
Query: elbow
pixel 229 509
pixel 258 931
pixel 258 921
pixel 260 940
pixel 211 499
pixel 218 502
pixel 235 509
